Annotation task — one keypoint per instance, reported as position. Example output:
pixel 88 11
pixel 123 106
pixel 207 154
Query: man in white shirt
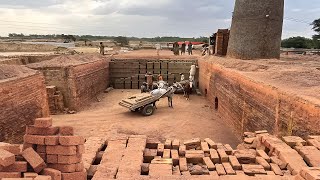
pixel 158 48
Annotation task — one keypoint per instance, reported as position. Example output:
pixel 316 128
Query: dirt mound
pixel 11 71
pixel 69 60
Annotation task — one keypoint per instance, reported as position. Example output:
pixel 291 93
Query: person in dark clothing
pixel 101 48
pixel 176 48
pixel 183 48
pixel 190 48
pixel 149 77
pixel 187 90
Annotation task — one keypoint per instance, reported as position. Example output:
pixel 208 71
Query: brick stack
pixel 58 148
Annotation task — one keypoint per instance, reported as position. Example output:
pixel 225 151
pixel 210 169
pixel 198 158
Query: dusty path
pixel 188 119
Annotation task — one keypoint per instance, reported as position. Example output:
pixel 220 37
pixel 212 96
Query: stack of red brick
pixel 48 153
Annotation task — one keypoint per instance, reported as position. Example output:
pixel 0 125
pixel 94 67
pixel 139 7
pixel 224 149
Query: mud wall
pixel 249 106
pixel 21 101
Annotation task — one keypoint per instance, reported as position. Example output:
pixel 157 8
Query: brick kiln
pixel 80 78
pixel 22 99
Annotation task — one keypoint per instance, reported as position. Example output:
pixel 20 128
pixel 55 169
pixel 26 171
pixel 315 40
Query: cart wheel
pixel 148 110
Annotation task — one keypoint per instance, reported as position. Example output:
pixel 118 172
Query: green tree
pixel 297 42
pixel 316 28
pixel 123 41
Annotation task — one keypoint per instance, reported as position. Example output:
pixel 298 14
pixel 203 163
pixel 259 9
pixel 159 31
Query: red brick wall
pixel 86 82
pixel 21 101
pixel 248 105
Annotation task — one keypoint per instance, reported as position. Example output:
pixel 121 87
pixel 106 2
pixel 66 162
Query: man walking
pixel 190 48
pixel 176 48
pixel 101 48
pixel 183 48
pixel 158 48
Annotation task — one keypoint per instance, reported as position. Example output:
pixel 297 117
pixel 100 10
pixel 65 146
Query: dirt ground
pixel 188 119
pixel 152 54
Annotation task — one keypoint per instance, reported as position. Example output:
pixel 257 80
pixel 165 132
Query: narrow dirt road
pixel 188 119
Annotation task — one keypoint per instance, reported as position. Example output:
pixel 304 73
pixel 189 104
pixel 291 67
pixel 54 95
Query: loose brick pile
pixel 47 153
pixel 261 156
pixel 55 153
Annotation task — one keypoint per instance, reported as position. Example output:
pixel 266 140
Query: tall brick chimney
pixel 256 29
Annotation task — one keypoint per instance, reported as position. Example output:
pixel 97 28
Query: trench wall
pixel 21 100
pixel 130 73
pixel 248 106
pixel 86 82
pixel 79 84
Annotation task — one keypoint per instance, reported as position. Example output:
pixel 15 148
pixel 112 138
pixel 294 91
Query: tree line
pixel 302 42
pixel 95 38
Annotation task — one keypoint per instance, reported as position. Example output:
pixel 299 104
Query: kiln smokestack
pixel 256 29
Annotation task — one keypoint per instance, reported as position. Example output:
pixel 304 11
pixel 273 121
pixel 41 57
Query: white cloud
pixel 136 17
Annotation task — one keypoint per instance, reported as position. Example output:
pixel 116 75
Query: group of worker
pixel 177 50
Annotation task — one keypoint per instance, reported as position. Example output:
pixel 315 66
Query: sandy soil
pixel 11 71
pixel 152 54
pixel 188 119
pixel 69 60
pixel 6 54
pixel 293 74
pixel 21 47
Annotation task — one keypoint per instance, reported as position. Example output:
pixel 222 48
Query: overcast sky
pixel 141 18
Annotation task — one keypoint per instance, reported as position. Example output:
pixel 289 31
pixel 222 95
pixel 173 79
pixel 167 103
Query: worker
pixel 160 78
pixel 183 48
pixel 101 48
pixel 158 48
pixel 190 48
pixel 149 77
pixel 205 49
pixel 181 77
pixel 175 48
pixel 187 90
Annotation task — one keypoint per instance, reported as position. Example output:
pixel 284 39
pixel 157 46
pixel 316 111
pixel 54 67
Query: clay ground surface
pixel 188 119
pixel 297 75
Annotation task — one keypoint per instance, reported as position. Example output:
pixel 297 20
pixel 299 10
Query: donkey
pixel 168 92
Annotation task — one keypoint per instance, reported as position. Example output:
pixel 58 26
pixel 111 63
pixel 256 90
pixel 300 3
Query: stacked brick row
pixel 130 74
pixel 47 153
